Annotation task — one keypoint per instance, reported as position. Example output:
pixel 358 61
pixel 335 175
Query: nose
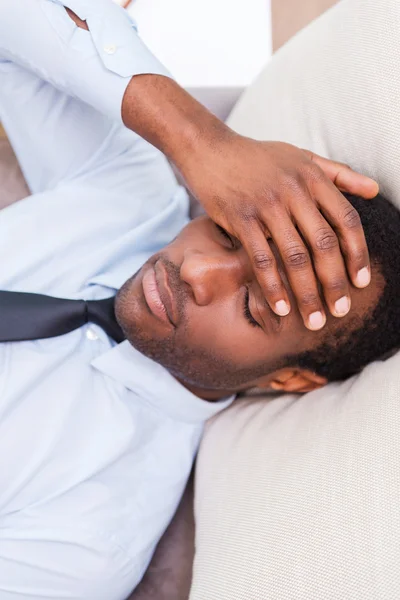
pixel 211 276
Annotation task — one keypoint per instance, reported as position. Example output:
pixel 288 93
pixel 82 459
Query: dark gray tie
pixel 25 316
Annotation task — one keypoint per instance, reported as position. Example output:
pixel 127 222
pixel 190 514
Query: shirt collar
pixel 154 384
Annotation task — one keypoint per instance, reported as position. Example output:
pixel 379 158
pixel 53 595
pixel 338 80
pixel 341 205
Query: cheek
pixel 219 331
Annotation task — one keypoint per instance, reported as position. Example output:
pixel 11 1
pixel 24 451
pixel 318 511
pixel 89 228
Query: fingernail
pixel 316 320
pixel 282 308
pixel 363 277
pixel 342 306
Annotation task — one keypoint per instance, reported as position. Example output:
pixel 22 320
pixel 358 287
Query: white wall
pixel 207 43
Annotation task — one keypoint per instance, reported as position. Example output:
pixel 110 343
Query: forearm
pixel 164 114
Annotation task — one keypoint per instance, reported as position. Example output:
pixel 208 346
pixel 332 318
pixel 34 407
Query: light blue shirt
pixel 96 440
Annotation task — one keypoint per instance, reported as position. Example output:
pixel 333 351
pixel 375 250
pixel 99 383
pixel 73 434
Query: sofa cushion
pixel 298 497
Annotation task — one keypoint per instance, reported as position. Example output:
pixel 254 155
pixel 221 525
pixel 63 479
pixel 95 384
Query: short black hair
pixel 350 349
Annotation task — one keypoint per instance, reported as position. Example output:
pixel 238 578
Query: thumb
pixel 345 179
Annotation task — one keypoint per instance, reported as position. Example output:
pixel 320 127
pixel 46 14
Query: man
pixel 97 439
pixel 196 308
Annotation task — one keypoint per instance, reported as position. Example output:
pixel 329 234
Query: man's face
pixel 197 309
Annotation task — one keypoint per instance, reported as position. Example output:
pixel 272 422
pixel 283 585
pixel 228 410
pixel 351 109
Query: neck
pixel 204 394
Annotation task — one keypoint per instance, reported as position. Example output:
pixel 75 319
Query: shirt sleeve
pixel 61 87
pixel 51 563
pixel 94 66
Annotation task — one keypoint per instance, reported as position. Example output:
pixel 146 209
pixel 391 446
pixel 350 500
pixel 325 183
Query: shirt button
pixel 110 49
pixel 91 335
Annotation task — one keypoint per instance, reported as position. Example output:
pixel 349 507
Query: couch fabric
pixel 298 498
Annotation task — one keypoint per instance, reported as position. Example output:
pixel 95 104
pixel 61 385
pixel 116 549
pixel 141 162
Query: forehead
pixel 363 301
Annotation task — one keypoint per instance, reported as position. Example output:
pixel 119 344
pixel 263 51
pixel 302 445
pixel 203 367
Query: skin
pixel 259 189
pixel 211 347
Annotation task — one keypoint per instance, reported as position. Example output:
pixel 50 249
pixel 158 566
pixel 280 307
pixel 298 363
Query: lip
pixel 154 296
pixel 166 294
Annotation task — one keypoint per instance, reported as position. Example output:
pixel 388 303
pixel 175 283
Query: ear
pixel 293 380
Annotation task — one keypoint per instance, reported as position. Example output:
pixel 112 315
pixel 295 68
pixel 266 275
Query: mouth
pixel 158 295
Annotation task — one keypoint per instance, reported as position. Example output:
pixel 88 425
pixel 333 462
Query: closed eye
pixel 246 310
pixel 234 243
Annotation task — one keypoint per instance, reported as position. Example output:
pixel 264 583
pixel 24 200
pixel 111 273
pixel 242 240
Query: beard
pixel 192 365
pixel 177 351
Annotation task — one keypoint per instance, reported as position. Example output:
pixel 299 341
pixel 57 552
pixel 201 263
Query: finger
pixel 345 178
pixel 265 268
pixel 327 257
pixel 344 218
pixel 300 272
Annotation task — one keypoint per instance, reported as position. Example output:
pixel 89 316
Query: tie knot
pixel 102 313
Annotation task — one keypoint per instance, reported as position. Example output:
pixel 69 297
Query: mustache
pixel 177 286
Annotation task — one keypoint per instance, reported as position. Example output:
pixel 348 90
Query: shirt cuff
pixel 113 39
